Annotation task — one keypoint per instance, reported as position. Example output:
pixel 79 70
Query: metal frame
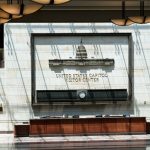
pixel 130 58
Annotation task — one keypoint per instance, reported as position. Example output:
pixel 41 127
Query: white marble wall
pixel 15 85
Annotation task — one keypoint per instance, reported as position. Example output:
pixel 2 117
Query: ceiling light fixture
pixel 122 21
pixel 5 15
pixel 19 8
pixel 2 20
pixel 50 2
pixel 142 19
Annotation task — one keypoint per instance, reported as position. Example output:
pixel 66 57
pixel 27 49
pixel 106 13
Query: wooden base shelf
pixel 83 126
pixel 86 126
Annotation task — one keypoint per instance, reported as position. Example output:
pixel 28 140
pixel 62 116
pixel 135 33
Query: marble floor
pixel 9 138
pixel 113 142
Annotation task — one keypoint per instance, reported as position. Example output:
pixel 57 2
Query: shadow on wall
pixel 136 108
pixel 11 47
pixel 140 50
